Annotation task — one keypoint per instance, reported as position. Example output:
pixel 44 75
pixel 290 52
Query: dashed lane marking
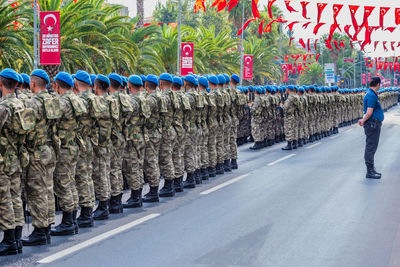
pixel 314 145
pixel 281 159
pixel 234 180
pixel 97 239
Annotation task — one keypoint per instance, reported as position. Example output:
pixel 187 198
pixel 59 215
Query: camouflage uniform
pixel 256 119
pixel 190 137
pixel 204 160
pixel 212 123
pixel 290 108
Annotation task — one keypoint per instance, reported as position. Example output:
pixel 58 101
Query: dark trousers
pixel 372 130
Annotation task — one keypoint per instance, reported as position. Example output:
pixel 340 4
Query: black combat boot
pixel 227 165
pixel 204 174
pixel 8 246
pixel 288 146
pixel 197 177
pixel 116 204
pixel 300 143
pixel 212 172
pixel 18 235
pixel 152 195
pixel 75 220
pixel 48 236
pixel 294 144
pixel 102 212
pixel 135 200
pixel 189 183
pixel 257 146
pixel 220 168
pixel 168 189
pixel 85 219
pixel 178 184
pixel 66 227
pixel 37 238
pixel 234 164
pixel 371 173
pixel 265 143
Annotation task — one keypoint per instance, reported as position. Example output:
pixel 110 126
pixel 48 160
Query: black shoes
pixel 178 184
pixel 85 219
pixel 257 146
pixel 168 189
pixel 18 235
pixel 288 146
pixel 135 200
pixel 372 174
pixel 234 164
pixel 197 177
pixel 300 143
pixel 75 220
pixel 66 227
pixel 102 212
pixel 220 168
pixel 8 246
pixel 227 165
pixel 37 238
pixel 189 183
pixel 116 204
pixel 152 195
pixel 212 172
pixel 204 173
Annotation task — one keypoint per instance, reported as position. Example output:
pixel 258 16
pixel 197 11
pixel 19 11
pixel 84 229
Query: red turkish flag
pixel 199 4
pixel 391 29
pixel 301 41
pixel 291 24
pixel 351 44
pixel 289 7
pixel 341 44
pixel 294 68
pixel 392 45
pixel 304 7
pixel 316 28
pixel 398 45
pixel 305 57
pixel 367 12
pixel 317 57
pixel 353 11
pixel 347 31
pixel 297 57
pixel 221 4
pixel 299 67
pixel 286 58
pixel 305 25
pixel 245 26
pixel 395 66
pixel 328 44
pixel 375 45
pixel 382 13
pixel 254 8
pixel 385 66
pixel 331 31
pixel 270 3
pixel 260 27
pixel 384 46
pixel 308 45
pixel 285 70
pixel 320 7
pixel 232 4
pixel 397 16
pixel 336 11
pixel 336 45
pixel 290 41
pixel 315 45
pixel 390 66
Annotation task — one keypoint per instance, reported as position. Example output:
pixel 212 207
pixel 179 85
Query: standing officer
pixel 289 110
pixel 372 122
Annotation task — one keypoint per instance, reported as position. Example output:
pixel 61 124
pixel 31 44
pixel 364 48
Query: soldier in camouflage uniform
pixel 223 87
pixel 101 141
pixel 15 122
pixel 302 119
pixel 290 108
pixel 204 157
pixel 256 110
pixel 238 103
pixel 136 142
pixel 40 144
pixel 213 125
pixel 168 138
pixel 72 107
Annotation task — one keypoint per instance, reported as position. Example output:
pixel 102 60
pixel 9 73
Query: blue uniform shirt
pixel 371 100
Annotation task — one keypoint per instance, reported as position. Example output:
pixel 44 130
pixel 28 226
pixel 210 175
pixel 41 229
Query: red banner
pixel 50 38
pixel 364 78
pixel 186 58
pixel 248 67
pixel 348 60
pixel 285 69
pixel 369 76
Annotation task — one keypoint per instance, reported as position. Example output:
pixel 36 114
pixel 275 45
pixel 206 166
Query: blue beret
pixel 166 77
pixel 203 81
pixel 136 80
pixel 177 80
pixel 10 74
pixel 25 77
pixel 143 78
pixel 116 78
pixel 83 76
pixel 20 79
pixel 103 79
pixel 213 79
pixel 152 78
pixel 191 79
pixel 92 78
pixel 196 82
pixel 65 77
pixel 221 79
pixel 41 74
pixel 227 78
pixel 124 80
pixel 236 78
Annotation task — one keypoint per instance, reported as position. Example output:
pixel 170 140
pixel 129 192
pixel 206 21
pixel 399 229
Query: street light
pixel 35 43
pixel 242 48
pixel 178 60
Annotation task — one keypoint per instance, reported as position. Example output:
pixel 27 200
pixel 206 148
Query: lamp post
pixel 35 42
pixel 242 49
pixel 178 59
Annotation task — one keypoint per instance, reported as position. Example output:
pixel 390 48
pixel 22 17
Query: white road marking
pixel 97 239
pixel 281 159
pixel 234 180
pixel 314 145
pixel 333 137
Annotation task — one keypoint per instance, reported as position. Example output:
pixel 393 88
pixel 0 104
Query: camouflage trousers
pixel 189 155
pixel 204 147
pixel 227 134
pixel 291 132
pixel 150 167
pixel 270 129
pixel 177 155
pixel 117 153
pixel 64 178
pixel 212 147
pixel 83 176
pixel 220 142
pixel 197 144
pixel 232 139
pixel 11 211
pixel 39 186
pixel 256 129
pixel 101 172
pixel 165 159
pixel 134 158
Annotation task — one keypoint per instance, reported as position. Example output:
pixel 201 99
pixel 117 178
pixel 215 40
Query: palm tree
pixel 140 13
pixel 313 75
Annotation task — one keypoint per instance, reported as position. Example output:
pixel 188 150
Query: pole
pixel 354 73
pixel 178 61
pixel 242 48
pixel 35 42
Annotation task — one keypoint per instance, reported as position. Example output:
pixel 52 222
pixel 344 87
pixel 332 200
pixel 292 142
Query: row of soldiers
pixel 79 140
pixel 303 114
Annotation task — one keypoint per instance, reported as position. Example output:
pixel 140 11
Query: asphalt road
pixel 308 207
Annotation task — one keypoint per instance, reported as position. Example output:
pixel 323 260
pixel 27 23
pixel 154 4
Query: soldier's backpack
pixel 51 106
pixel 125 101
pixel 100 108
pixel 23 119
pixel 114 107
pixel 78 105
pixel 144 106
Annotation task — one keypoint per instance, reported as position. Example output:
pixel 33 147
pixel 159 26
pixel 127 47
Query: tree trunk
pixel 140 13
pixel 51 70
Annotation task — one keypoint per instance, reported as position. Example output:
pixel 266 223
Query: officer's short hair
pixel 176 85
pixel 375 81
pixel 39 81
pixel 151 85
pixel 103 86
pixel 63 84
pixel 8 83
pixel 135 86
pixel 114 83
